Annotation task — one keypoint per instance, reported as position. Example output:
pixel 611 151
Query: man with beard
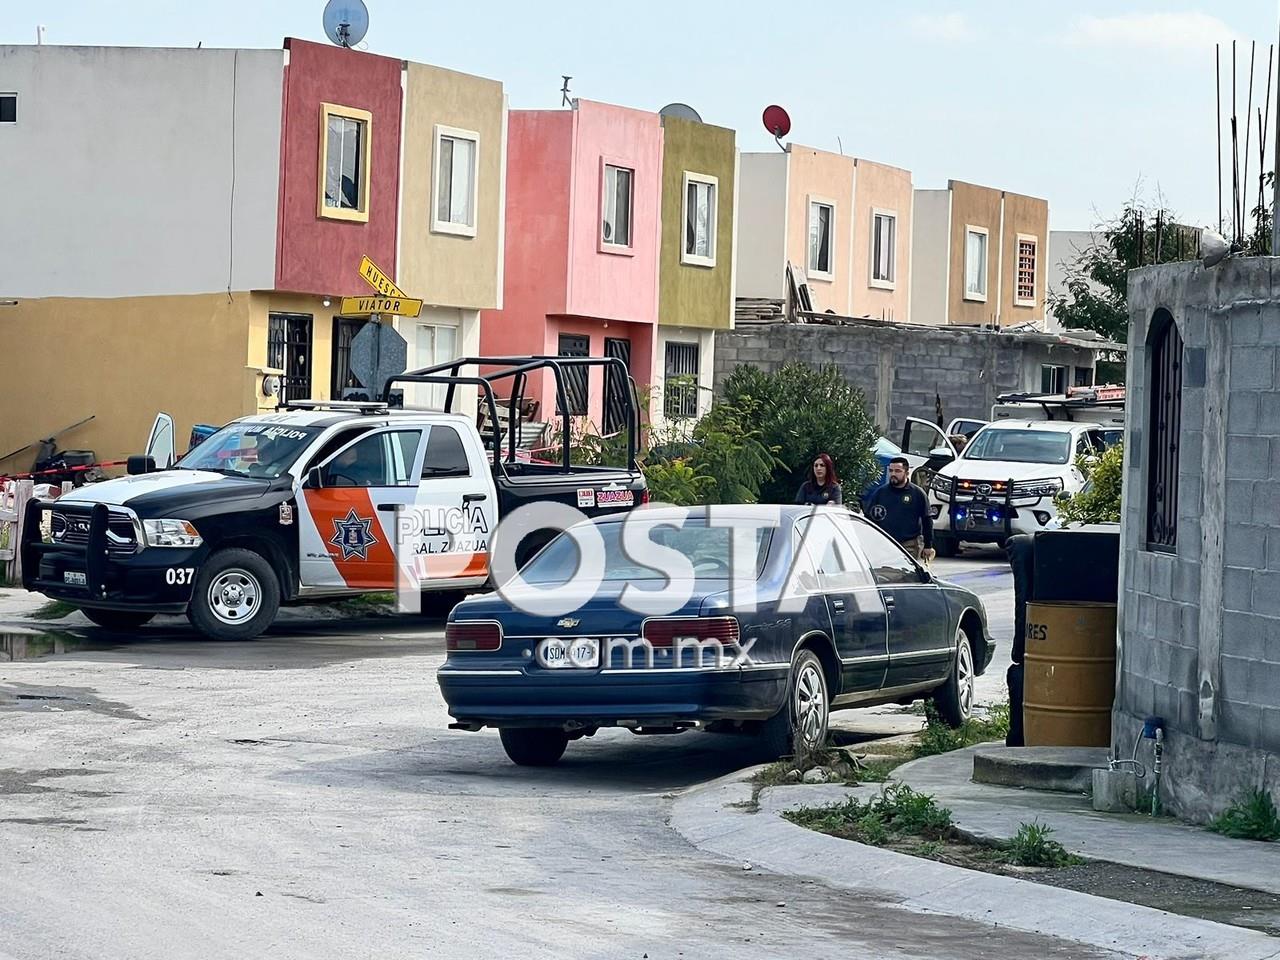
pixel 901 510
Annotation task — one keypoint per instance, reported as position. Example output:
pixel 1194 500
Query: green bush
pixel 1099 501
pixel 1031 846
pixel 1252 817
pixel 938 737
pixel 897 812
pixel 801 411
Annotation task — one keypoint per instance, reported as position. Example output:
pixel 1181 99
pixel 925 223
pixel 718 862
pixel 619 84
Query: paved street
pixel 299 796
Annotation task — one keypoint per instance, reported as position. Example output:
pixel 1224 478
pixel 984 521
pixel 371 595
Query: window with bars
pixel 680 381
pixel 289 349
pixel 575 377
pixel 1165 423
pixel 1025 293
pixel 340 376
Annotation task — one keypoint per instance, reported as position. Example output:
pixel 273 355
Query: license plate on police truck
pixel 75 578
pixel 569 653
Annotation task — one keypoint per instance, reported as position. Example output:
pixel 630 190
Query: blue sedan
pixel 775 617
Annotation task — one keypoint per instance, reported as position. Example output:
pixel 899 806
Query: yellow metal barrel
pixel 1070 674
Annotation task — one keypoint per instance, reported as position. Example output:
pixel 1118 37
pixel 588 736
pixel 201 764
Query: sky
pixel 1082 103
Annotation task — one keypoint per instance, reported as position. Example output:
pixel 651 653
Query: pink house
pixel 582 238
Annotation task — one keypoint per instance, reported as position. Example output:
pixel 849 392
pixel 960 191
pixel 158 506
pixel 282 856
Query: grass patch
pixel 54 610
pixel 366 604
pixel 1033 846
pixel 938 737
pixel 1252 817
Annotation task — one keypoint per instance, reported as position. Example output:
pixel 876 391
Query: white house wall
pixel 930 255
pixel 762 225
pixel 120 172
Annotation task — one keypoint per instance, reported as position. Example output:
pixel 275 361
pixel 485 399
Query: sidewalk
pixel 1133 840
pixel 717 818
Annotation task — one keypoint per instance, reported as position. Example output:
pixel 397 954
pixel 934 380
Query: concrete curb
pixel 707 818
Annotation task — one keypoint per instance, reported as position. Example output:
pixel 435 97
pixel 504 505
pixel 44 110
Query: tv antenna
pixel 778 122
pixel 346 22
pixel 565 99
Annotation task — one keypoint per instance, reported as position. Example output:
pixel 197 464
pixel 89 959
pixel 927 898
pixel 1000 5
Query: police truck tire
pixel 946 545
pixel 533 746
pixel 117 619
pixel 236 596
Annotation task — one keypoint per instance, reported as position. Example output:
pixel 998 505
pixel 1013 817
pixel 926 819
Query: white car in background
pixel 1006 479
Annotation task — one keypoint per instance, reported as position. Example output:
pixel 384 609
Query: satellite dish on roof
pixel 346 22
pixel 680 110
pixel 777 121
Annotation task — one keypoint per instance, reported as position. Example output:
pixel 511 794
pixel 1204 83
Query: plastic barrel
pixel 1070 679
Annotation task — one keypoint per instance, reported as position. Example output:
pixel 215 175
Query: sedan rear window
pixel 1020 446
pixel 708 549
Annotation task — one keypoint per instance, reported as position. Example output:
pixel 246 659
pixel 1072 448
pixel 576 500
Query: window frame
pixel 610 246
pixel 1166 355
pixel 412 474
pixel 449 226
pixel 985 233
pixel 1017 268
pixel 454 474
pixel 1062 369
pixel 360 214
pixel 879 213
pixel 692 259
pixel 811 272
pixel 14 95
pixel 676 402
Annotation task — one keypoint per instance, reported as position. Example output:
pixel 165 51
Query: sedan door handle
pixel 473 497
pixel 837 605
pixel 889 602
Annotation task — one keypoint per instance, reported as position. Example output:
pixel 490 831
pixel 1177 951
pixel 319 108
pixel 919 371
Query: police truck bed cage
pixel 516 370
pixel 1058 406
pixel 350 406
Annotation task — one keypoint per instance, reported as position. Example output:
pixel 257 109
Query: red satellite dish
pixel 776 121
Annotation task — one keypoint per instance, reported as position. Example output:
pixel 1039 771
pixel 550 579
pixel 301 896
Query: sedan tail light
pixel 480 635
pixel 664 633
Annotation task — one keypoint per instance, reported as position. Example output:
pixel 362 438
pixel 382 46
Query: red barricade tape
pixel 80 469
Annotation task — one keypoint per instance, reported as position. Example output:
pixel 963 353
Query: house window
pixel 975 263
pixel 575 377
pixel 699 220
pixel 8 108
pixel 1165 398
pixel 616 227
pixel 1025 293
pixel 435 344
pixel 680 380
pixel 1084 377
pixel 822 217
pixel 884 234
pixel 456 177
pixel 344 162
pixel 1053 378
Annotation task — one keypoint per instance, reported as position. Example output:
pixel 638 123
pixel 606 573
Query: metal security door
pixel 616 385
pixel 289 349
pixel 340 376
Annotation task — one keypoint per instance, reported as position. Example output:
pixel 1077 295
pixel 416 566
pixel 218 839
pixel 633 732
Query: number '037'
pixel 180 576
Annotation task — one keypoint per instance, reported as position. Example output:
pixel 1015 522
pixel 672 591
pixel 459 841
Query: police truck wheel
pixel 117 619
pixel 533 746
pixel 236 596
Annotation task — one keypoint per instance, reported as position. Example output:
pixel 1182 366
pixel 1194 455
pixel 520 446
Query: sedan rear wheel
pixel 954 699
pixel 800 727
pixel 533 746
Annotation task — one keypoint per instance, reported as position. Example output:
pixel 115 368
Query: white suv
pixel 1005 481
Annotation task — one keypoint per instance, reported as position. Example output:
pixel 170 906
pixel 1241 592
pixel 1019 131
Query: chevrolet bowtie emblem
pixel 567 622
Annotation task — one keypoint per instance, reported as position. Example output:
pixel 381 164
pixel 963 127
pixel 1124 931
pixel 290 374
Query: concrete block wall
pixel 902 369
pixel 1200 628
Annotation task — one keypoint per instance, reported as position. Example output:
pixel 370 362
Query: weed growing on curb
pixel 54 610
pixel 1031 846
pixel 1252 817
pixel 937 737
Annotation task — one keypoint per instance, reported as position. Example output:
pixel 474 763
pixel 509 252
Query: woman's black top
pixel 816 496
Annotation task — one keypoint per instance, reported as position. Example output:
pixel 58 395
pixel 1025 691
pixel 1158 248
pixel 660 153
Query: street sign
pixel 378 352
pixel 396 305
pixel 380 282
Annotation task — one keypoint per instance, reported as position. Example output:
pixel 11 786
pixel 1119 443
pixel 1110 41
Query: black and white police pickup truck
pixel 310 502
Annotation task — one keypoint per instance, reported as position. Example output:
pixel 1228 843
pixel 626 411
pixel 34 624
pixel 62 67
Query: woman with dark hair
pixel 823 486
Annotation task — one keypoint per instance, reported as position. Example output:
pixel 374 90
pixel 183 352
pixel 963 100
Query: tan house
pixel 978 256
pixel 843 225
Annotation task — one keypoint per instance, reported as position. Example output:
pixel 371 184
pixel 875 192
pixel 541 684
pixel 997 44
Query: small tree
pixel 1097 296
pixel 801 411
pixel 1099 501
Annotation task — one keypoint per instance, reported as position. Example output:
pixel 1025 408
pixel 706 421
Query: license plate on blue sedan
pixel 582 653
pixel 75 578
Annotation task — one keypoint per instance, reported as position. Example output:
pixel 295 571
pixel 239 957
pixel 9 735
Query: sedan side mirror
pixel 315 479
pixel 140 464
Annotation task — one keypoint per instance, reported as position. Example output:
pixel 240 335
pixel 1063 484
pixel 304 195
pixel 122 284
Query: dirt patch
pixel 25 697
pixel 14 782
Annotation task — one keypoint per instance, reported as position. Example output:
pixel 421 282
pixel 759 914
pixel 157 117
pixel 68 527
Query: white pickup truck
pixel 321 499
